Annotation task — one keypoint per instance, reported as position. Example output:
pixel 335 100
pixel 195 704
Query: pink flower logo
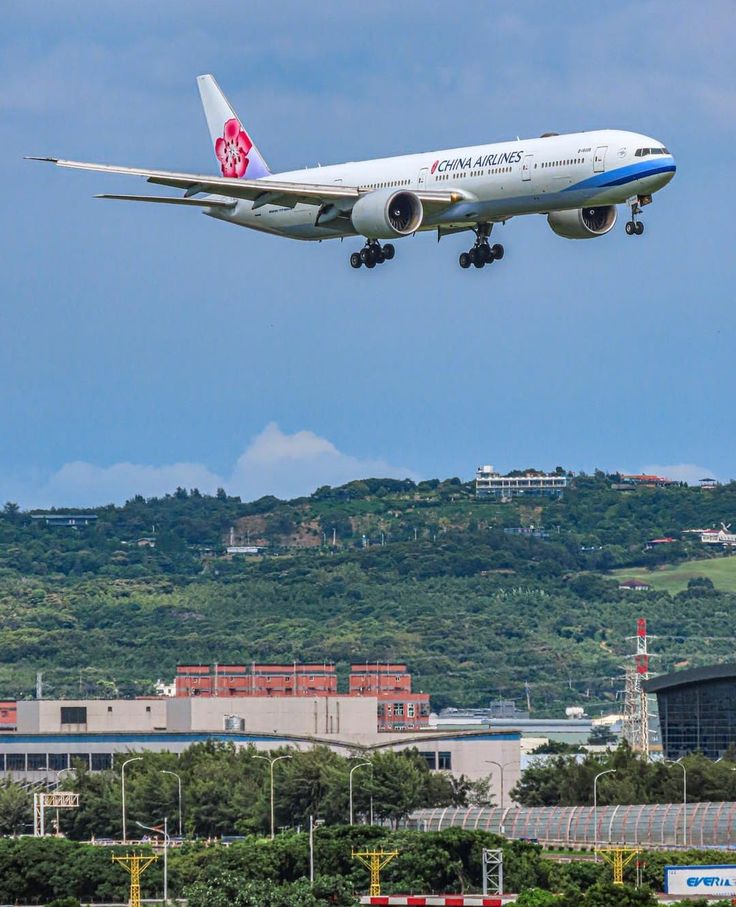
pixel 232 149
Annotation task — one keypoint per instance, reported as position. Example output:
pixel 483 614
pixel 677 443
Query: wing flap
pixel 164 200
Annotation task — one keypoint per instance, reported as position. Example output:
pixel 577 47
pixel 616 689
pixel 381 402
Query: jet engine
pixel 583 223
pixel 387 213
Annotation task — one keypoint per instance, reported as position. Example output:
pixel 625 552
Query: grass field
pixel 721 571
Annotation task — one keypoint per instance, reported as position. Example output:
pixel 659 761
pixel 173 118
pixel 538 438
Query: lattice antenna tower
pixel 636 700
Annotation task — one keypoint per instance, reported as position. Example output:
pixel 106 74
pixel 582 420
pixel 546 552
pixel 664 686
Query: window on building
pixel 76 759
pixel 101 761
pixel 73 714
pixel 57 761
pixel 410 710
pixel 15 762
pixel 444 761
pixel 109 708
pixel 430 759
pixel 36 762
pixel 148 708
pixel 398 708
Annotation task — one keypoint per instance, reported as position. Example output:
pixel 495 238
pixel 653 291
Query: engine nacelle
pixel 387 213
pixel 583 223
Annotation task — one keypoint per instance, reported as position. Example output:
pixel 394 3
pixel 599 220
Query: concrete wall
pixel 352 717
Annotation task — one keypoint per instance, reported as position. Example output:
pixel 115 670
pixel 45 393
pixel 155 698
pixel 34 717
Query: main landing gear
pixel 482 253
pixel 372 254
pixel 634 227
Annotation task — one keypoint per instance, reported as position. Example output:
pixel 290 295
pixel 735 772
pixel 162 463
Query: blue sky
pixel 142 347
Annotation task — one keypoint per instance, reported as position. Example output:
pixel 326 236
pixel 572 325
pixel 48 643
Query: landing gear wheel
pixel 371 263
pixel 498 251
pixel 380 257
pixel 639 228
pixel 479 258
pixel 355 260
pixel 389 251
pixel 630 227
pixel 465 260
pixel 365 254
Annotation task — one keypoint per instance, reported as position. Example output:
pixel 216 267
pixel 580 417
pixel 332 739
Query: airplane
pixel 576 180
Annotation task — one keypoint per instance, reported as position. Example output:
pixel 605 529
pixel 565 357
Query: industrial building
pixel 697 710
pixel 53 734
pixel 655 825
pixel 491 484
pixel 398 707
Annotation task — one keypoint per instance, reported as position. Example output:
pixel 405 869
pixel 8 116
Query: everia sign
pixel 707 881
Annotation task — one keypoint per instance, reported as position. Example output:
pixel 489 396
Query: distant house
pixel 73 520
pixel 653 543
pixel 708 483
pixel 634 585
pixel 647 481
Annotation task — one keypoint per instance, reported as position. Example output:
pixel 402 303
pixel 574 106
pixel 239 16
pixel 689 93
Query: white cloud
pixel 292 465
pixel 273 463
pixel 680 472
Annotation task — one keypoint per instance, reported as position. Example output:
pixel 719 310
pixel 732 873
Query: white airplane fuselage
pixel 497 181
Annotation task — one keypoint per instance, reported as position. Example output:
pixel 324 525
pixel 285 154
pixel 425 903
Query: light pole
pixel 684 796
pixel 608 771
pixel 178 778
pixel 122 790
pixel 314 824
pixel 157 831
pixel 501 768
pixel 271 763
pixel 350 784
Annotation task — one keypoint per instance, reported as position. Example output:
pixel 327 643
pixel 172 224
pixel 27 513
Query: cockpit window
pixel 643 152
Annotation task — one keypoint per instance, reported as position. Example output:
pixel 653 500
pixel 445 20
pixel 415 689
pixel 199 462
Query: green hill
pixel 420 573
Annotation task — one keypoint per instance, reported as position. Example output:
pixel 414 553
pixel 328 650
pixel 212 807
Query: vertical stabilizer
pixel 234 149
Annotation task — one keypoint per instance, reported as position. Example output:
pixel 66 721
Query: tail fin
pixel 236 154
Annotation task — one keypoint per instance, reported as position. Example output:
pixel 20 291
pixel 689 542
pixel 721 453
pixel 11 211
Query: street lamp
pixel 157 831
pixel 314 824
pixel 608 771
pixel 122 789
pixel 271 763
pixel 165 771
pixel 684 796
pixel 350 784
pixel 501 768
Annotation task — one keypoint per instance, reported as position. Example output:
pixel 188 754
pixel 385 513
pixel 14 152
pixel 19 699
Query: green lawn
pixel 721 571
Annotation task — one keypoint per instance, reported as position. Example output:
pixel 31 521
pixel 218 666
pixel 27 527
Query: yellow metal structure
pixel 619 858
pixel 375 861
pixel 136 864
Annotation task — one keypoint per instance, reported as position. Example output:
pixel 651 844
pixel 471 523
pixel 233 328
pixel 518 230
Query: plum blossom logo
pixel 434 166
pixel 232 149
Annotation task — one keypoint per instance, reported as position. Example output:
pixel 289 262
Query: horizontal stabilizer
pixel 164 200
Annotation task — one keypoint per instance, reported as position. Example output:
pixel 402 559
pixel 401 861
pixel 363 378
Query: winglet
pixel 48 160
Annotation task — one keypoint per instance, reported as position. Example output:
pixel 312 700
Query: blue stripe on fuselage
pixel 623 175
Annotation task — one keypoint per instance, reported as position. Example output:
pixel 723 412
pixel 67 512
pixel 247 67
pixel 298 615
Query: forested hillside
pixel 377 569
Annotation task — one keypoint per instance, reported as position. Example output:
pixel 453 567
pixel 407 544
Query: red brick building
pixel 398 708
pixel 256 680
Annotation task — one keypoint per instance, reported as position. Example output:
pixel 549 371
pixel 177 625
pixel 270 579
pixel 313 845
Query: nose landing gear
pixel 372 254
pixel 482 253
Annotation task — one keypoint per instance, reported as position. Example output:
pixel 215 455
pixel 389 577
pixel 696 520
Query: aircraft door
pixel 422 178
pixel 526 167
pixel 599 161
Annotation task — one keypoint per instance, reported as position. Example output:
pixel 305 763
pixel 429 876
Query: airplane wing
pixel 263 191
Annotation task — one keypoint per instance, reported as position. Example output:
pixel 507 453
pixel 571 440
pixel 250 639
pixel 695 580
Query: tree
pixel 397 785
pixel 16 813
